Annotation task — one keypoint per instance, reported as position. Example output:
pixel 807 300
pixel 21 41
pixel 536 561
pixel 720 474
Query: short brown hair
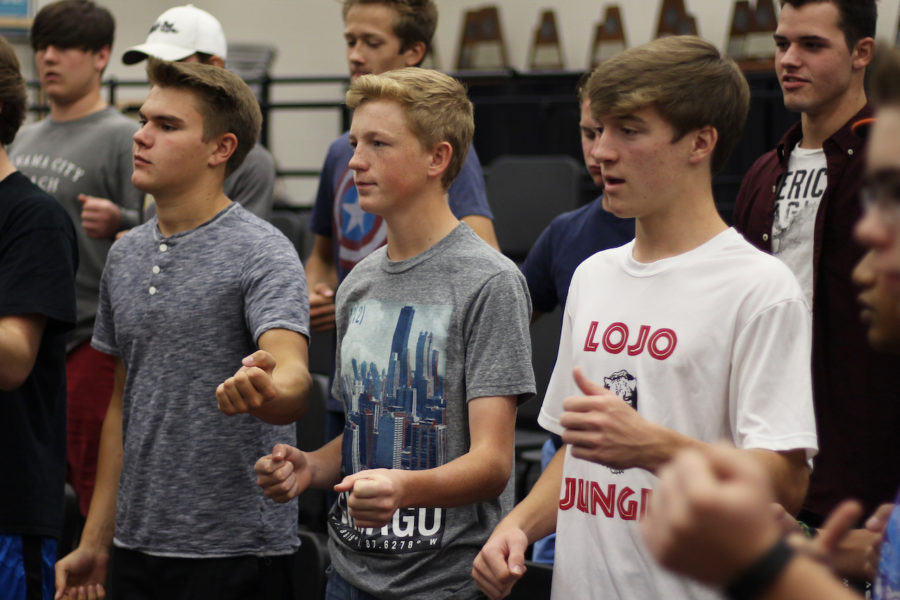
pixel 73 24
pixel 12 94
pixel 685 79
pixel 581 87
pixel 416 20
pixel 436 108
pixel 857 20
pixel 225 101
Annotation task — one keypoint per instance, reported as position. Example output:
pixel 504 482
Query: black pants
pixel 138 576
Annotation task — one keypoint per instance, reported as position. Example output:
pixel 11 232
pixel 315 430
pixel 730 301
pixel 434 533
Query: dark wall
pixel 538 114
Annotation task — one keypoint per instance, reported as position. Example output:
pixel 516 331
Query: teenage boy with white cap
pixel 189 34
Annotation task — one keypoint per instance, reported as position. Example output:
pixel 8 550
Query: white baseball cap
pixel 179 33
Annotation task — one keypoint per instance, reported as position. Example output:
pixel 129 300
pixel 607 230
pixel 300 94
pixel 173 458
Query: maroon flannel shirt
pixel 856 390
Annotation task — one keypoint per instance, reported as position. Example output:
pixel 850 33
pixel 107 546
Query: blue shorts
pixel 27 567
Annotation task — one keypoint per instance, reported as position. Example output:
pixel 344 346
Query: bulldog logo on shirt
pixel 624 385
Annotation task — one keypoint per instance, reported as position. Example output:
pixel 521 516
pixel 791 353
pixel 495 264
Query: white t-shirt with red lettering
pixel 713 343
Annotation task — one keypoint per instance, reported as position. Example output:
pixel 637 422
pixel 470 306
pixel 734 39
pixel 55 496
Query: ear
pixel 414 54
pixel 703 143
pixel 863 52
pixel 440 159
pixel 101 58
pixel 225 145
pixel 216 61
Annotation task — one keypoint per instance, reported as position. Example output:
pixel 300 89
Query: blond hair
pixel 226 103
pixel 685 79
pixel 435 106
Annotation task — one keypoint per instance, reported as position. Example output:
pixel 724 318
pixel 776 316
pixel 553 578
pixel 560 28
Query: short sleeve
pixel 561 383
pixel 104 337
pixel 467 193
pixel 498 342
pixel 38 257
pixel 771 384
pixel 274 288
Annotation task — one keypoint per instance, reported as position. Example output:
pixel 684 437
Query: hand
pixel 100 218
pixel 710 515
pixel 249 388
pixel 786 521
pixel 81 575
pixel 876 524
pixel 321 307
pixel 836 544
pixel 284 474
pixel 850 552
pixel 501 562
pixel 375 495
pixel 603 428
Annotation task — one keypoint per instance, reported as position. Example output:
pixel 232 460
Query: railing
pixel 518 113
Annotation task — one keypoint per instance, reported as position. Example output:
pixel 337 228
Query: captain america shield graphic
pixel 359 233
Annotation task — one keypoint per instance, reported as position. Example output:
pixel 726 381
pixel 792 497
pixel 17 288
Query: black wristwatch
pixel 759 576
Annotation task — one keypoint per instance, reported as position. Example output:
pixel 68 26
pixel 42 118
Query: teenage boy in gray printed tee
pixel 419 339
pixel 90 155
pixel 181 312
pixel 433 357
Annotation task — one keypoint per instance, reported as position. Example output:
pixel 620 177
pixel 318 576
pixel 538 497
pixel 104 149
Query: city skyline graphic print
pixel 392 385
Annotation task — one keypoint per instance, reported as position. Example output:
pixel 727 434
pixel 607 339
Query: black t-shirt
pixel 38 258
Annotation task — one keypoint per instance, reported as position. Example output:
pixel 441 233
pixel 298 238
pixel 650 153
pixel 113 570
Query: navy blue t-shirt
pixel 564 244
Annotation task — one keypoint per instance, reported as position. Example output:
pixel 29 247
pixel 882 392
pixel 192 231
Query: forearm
pixel 286 353
pixel 536 514
pixel 325 464
pixel 787 470
pixel 789 474
pixel 100 524
pixel 292 383
pixel 661 446
pixel 472 477
pixel 20 340
pixel 478 475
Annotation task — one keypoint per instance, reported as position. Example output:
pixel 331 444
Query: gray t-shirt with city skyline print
pixel 418 339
